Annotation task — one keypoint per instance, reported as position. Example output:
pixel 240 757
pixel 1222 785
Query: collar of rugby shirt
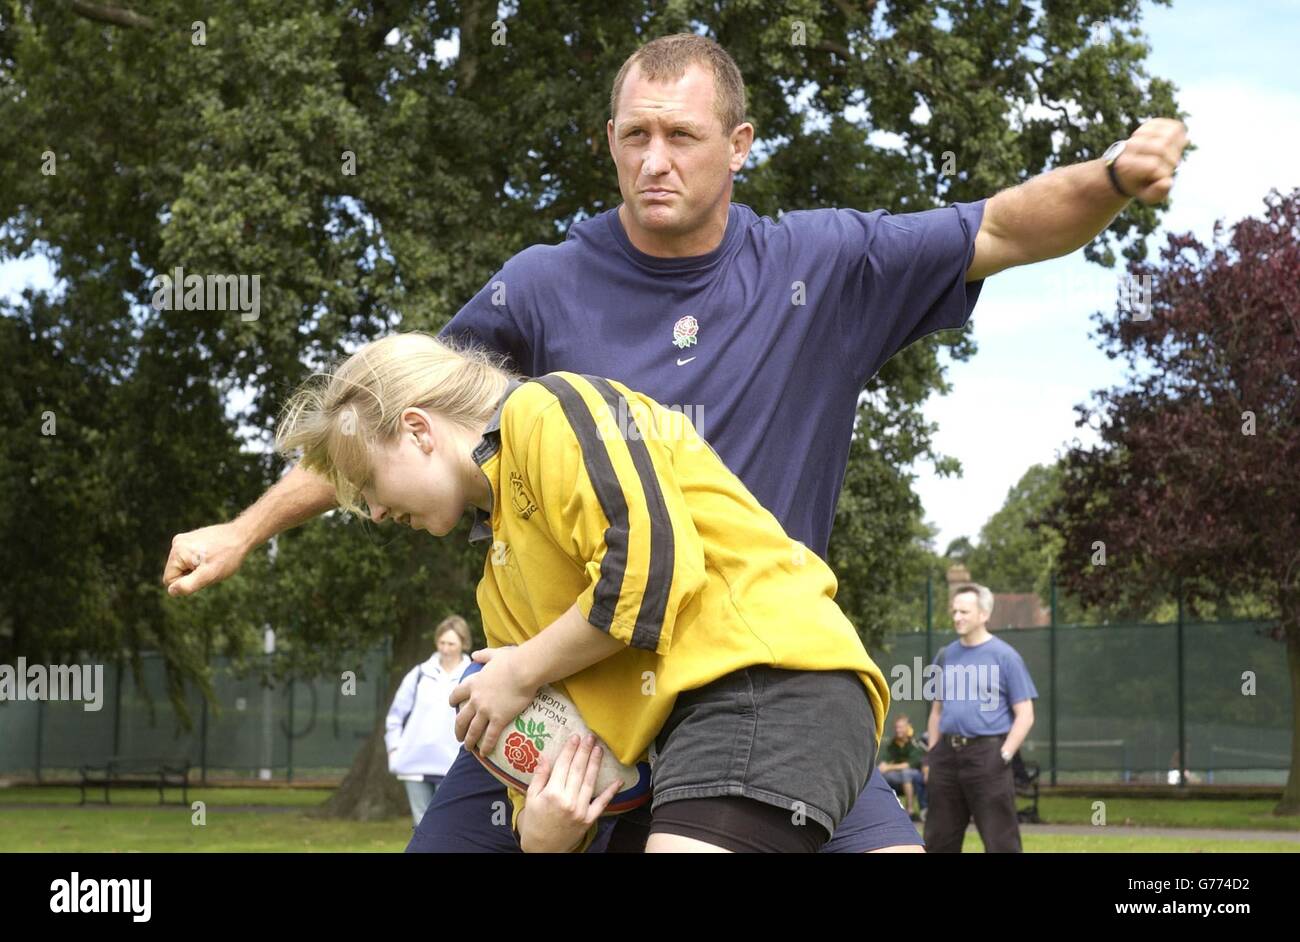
pixel 488 446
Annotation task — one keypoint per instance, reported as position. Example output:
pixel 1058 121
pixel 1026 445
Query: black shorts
pixel 790 750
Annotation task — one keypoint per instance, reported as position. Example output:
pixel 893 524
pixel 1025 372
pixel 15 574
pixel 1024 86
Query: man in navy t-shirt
pixel 764 342
pixel 766 330
pixel 982 711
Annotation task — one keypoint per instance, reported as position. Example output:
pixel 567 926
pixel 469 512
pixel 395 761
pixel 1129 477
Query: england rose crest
pixel 684 332
pixel 524 748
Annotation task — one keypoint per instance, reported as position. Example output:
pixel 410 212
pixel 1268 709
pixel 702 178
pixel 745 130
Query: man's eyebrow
pixel 683 123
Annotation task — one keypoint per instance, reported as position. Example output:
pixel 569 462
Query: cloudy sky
pixel 1012 404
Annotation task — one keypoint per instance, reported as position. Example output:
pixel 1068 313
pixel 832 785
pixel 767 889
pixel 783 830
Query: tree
pixel 371 179
pixel 1018 549
pixel 1193 486
pixel 88 474
pixel 1010 556
pixel 879 543
pixel 959 550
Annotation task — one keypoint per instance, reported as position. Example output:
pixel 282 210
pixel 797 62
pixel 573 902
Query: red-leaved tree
pixel 1195 485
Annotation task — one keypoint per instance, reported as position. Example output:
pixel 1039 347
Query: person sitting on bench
pixel 901 765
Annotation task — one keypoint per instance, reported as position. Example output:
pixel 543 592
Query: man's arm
pixel 1024 721
pixel 201 557
pixel 932 727
pixel 1063 210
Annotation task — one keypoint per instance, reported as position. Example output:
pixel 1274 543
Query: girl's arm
pixel 490 700
pixel 568 645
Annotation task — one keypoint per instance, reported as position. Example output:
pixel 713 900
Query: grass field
pixel 1116 842
pixel 1245 814
pixel 276 820
pixel 238 819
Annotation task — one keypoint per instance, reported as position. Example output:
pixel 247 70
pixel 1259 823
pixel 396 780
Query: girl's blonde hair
pixel 338 417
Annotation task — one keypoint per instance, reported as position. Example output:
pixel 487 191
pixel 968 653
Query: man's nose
pixel 655 163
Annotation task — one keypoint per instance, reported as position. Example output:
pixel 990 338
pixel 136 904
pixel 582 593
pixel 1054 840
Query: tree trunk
pixel 1290 803
pixel 369 792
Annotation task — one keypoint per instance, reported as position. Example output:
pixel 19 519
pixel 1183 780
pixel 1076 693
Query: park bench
pixel 124 772
pixel 1026 777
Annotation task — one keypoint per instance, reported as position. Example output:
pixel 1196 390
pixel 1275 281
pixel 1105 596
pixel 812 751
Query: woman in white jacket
pixel 421 727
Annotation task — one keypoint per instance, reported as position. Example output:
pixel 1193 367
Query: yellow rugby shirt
pixel 603 497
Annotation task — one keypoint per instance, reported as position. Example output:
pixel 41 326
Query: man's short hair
pixel 984 596
pixel 666 59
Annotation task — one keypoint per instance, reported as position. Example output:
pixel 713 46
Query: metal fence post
pixel 289 731
pixel 1182 712
pixel 267 771
pixel 203 743
pixel 117 710
pixel 381 682
pixel 1051 672
pixel 40 734
pixel 929 618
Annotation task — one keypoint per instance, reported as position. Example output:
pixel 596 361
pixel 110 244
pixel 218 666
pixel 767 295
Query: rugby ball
pixel 542 729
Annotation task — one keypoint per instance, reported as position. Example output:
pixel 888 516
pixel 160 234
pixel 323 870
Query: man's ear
pixel 742 139
pixel 609 136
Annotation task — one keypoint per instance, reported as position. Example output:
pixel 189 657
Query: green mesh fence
pixel 1115 702
pixel 305 728
pixel 1114 706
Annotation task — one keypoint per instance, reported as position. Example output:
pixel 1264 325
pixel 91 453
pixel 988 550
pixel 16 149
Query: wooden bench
pixel 124 772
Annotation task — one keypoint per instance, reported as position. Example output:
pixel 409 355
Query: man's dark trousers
pixel 966 781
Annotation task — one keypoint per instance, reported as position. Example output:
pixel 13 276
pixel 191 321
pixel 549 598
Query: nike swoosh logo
pixel 684 362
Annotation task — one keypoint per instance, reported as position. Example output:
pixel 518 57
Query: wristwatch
pixel 1006 757
pixel 1111 155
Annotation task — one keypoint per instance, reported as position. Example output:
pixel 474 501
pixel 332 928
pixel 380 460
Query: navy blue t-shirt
pixel 765 342
pixel 979 686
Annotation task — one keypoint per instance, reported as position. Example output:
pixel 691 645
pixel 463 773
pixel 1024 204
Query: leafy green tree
pixel 373 163
pixel 1010 557
pixel 959 550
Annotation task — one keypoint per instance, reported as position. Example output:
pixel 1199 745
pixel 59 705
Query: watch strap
pixel 1114 178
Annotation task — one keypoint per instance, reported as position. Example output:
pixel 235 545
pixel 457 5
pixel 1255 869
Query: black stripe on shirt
pixel 659 579
pixel 609 492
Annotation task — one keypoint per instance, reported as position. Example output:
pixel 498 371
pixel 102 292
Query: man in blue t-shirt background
pixel 982 712
pixel 764 331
